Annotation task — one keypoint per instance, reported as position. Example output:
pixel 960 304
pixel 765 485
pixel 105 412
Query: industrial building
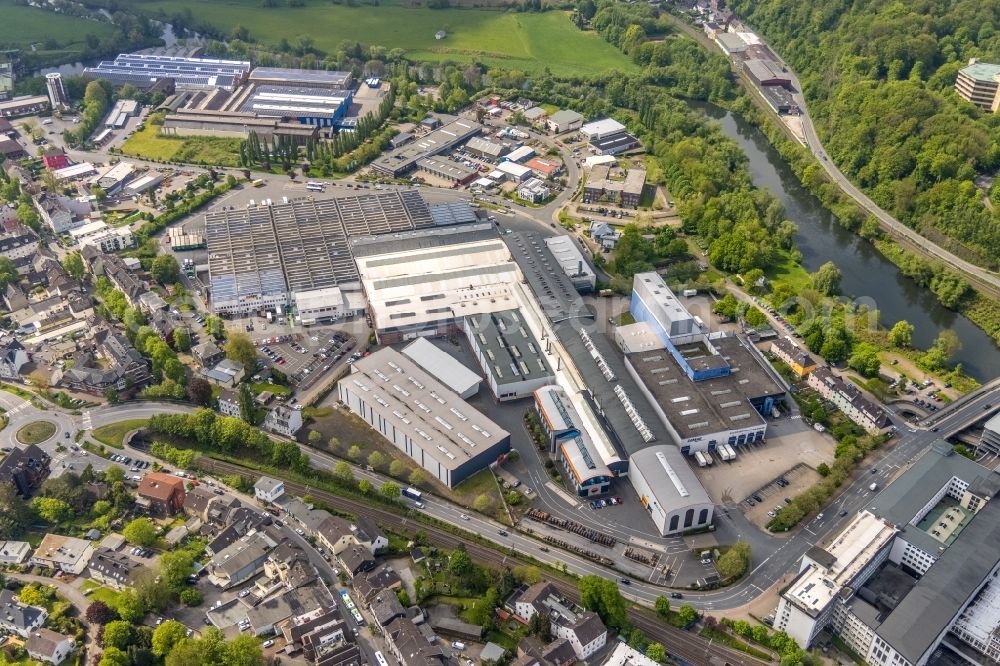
pixel 914 570
pixel 485 148
pixel 307 106
pixel 145 70
pixel 114 178
pixel 448 170
pixel 421 416
pixel 979 83
pixel 615 144
pixel 516 172
pixel 23 106
pixel 405 158
pixel 520 154
pixel 766 73
pixel 260 257
pixel 422 283
pixel 582 450
pixel 669 491
pixel 730 43
pixel 989 442
pixel 564 121
pixel 234 124
pixel 572 262
pixel 445 367
pixel 600 129
pixel 120 113
pixel 707 389
pixel 302 78
pixel 509 355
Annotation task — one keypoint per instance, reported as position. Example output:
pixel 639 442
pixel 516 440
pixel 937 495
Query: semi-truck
pixel 731 450
pixel 708 458
pixel 723 453
pixel 700 457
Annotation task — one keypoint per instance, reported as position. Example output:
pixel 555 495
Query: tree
pixel 52 510
pixel 15 514
pixel 140 532
pixel 726 306
pixel 33 595
pixel 417 477
pixel 396 468
pixel 166 636
pixel 946 344
pixel 113 656
pixel 29 217
pixel 176 566
pixel 865 360
pixel 365 486
pixel 663 606
pixel 354 453
pixel 242 651
pixel 755 317
pixel 901 334
pixel 240 348
pixel 165 269
pixel 390 490
pixel 656 652
pixel 376 459
pixel 602 596
pixel 687 614
pixel 734 562
pixel 343 471
pixel 8 272
pixel 118 634
pixel 460 563
pixel 215 327
pixel 73 264
pixel 248 408
pixel 182 339
pixel 199 391
pixel 191 596
pixel 826 280
pixel 99 612
pixel 314 437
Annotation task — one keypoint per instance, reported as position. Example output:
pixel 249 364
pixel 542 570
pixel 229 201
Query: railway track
pixel 683 646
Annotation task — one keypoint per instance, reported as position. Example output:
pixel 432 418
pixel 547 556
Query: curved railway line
pixel 683 646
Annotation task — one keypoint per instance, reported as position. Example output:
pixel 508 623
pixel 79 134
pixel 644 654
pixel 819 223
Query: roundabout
pixel 36 432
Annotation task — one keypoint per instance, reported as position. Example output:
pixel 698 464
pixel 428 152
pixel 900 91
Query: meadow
pixel 151 145
pixel 21 26
pixel 526 41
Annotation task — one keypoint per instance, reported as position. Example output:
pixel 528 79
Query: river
pixel 868 276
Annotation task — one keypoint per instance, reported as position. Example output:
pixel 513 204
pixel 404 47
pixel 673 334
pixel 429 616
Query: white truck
pixel 730 450
pixel 690 292
pixel 873 487
pixel 723 453
pixel 700 457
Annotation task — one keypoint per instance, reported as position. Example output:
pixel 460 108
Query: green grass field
pixel 151 145
pixel 22 26
pixel 515 40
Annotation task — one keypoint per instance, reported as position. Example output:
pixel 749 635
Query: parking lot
pixel 764 502
pixel 302 358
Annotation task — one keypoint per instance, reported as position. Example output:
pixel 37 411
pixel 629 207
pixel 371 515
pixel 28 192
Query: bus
pixel 313 186
pixel 258 183
pixel 412 493
pixel 380 659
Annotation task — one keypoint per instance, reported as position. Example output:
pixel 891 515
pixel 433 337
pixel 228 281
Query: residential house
pixel 338 535
pixel 123 367
pixel 151 302
pixel 240 521
pixel 304 514
pixel 301 601
pixel 372 583
pixel 123 279
pixel 207 354
pixel 229 403
pixel 198 502
pixel 14 298
pixel 25 467
pixel 582 629
pixel 18 618
pixel 241 560
pixel 410 647
pixel 56 212
pixel 357 559
pixel 385 608
pixel 19 243
pixel 268 490
pixel 284 420
pixel 48 646
pixel 286 566
pixel 63 553
pixel 13 357
pixel 11 150
pixel 161 494
pixel 799 360
pixel 55 158
pixel 14 552
pixel 849 400
pixel 114 569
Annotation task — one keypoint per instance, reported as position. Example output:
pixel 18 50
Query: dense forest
pixel 879 78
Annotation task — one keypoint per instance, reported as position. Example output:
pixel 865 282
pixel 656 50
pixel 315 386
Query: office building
pixel 626 191
pixel 189 74
pixel 533 190
pixel 914 569
pixel 979 83
pixel 421 416
pixel 509 355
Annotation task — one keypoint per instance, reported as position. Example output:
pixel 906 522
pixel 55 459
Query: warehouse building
pixel 730 43
pixel 600 129
pixel 707 389
pixel 486 149
pixel 234 124
pixel 404 159
pixel 145 70
pixel 422 417
pixel 445 367
pixel 423 283
pixel 508 353
pixel 572 262
pixel 114 178
pixel 581 450
pixel 308 106
pixel 520 154
pixel 23 106
pixel 260 258
pixel 302 78
pixel 615 144
pixel 766 73
pixel 565 120
pixel 447 170
pixel 669 491
pixel 515 172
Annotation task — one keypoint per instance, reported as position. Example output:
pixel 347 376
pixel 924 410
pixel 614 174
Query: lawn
pixel 787 271
pixel 276 389
pixel 524 41
pixel 149 144
pixel 101 593
pixel 36 432
pixel 22 26
pixel 113 434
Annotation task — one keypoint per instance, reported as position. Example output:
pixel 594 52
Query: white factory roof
pixel 516 170
pixel 587 458
pixel 444 367
pixel 522 153
pixel 638 337
pixel 87 229
pixel 144 183
pixel 603 127
pixel 307 301
pixel 669 477
pixel 594 160
pixel 118 172
pixel 851 551
pixel 75 171
pixel 445 427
